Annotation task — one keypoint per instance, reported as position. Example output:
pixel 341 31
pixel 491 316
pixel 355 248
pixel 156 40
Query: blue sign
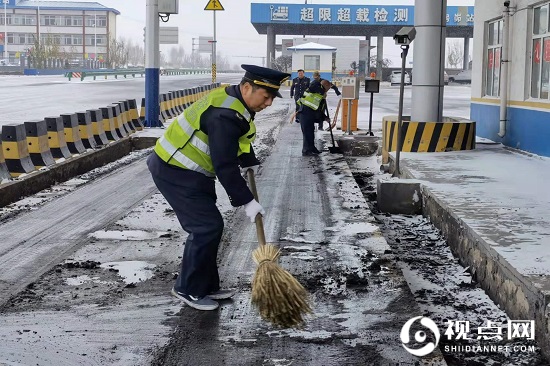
pixel 351 14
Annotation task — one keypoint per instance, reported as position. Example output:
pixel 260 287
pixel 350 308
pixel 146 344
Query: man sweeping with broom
pixel 211 138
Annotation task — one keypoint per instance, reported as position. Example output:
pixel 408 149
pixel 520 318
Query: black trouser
pixel 297 110
pixel 307 122
pixel 194 203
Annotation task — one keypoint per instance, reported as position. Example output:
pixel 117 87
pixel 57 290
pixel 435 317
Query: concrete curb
pixel 41 179
pixel 520 297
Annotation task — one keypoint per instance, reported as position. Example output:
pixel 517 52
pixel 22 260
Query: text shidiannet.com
pixel 460 331
pixel 490 349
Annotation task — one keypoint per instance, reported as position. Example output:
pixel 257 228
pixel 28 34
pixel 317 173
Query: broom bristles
pixel 279 297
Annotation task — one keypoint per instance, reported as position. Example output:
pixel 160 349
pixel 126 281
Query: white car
pixel 465 76
pixel 395 78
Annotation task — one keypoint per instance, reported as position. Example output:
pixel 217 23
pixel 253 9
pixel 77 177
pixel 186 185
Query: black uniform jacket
pixel 224 127
pixel 298 87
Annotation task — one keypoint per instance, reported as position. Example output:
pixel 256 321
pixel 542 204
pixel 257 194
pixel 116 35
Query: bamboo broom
pixel 279 297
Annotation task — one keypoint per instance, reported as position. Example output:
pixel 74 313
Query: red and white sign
pixel 490 59
pixel 547 50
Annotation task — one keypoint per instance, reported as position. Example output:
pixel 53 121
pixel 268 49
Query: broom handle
pixel 259 222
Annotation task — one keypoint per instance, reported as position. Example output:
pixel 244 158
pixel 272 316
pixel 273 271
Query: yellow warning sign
pixel 214 5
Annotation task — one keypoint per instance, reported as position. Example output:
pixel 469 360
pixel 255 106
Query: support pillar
pixel 466 61
pixel 270 45
pixel 367 66
pixel 379 56
pixel 152 65
pixel 429 60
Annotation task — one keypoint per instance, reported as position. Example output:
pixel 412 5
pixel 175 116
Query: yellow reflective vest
pixel 311 100
pixel 186 146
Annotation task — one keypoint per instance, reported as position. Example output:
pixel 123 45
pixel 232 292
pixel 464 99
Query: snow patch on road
pixel 126 235
pixel 131 271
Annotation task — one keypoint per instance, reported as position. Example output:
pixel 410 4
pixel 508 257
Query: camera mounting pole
pixel 400 137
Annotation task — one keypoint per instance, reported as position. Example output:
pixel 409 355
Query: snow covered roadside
pixel 444 290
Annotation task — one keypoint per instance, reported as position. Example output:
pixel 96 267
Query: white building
pixel 527 116
pixel 348 50
pixel 312 57
pixel 83 30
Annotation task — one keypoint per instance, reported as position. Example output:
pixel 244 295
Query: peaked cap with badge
pixel 263 77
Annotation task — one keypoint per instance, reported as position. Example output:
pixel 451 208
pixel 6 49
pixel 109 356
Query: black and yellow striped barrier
pixel 453 134
pixel 164 109
pixel 134 115
pixel 56 138
pixel 119 126
pixel 97 127
pixel 37 142
pixel 172 103
pixel 72 133
pixel 16 152
pixel 128 113
pixel 4 172
pixel 85 129
pixel 109 124
pixel 180 103
pixel 124 118
pixel 142 112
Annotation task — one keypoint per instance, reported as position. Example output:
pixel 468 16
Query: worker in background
pixel 317 77
pixel 211 139
pixel 312 110
pixel 297 89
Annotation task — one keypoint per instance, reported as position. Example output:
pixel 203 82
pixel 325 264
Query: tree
pixel 136 53
pixel 455 54
pixel 385 63
pixel 282 63
pixel 46 48
pixel 118 53
pixel 177 56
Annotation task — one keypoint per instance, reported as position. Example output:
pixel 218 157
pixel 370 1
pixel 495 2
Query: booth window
pixel 540 57
pixel 312 62
pixel 492 61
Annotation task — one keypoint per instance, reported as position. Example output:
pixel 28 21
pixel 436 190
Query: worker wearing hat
pixel 317 77
pixel 211 139
pixel 297 89
pixel 312 111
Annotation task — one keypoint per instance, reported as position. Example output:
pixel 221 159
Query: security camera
pixel 405 36
pixel 507 4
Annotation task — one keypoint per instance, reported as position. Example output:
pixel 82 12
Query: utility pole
pixel 5 51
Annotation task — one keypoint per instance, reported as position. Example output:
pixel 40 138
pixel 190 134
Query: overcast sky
pixel 235 34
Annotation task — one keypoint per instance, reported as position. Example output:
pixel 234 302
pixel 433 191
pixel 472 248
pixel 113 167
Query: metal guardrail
pixel 126 72
pixel 94 74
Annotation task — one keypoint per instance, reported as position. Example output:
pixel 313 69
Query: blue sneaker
pixel 222 294
pixel 199 303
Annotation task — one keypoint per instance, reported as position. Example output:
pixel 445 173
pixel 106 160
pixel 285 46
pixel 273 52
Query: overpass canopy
pixel 350 20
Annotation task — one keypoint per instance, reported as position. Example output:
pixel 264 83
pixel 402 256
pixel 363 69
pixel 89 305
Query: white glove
pixel 253 167
pixel 253 208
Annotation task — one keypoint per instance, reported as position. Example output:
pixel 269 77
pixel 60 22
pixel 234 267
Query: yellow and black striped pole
pixel 213 73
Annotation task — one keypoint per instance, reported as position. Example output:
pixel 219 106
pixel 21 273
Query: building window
pixel 540 64
pixel 50 20
pixel 98 21
pixel 494 47
pixel 312 62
